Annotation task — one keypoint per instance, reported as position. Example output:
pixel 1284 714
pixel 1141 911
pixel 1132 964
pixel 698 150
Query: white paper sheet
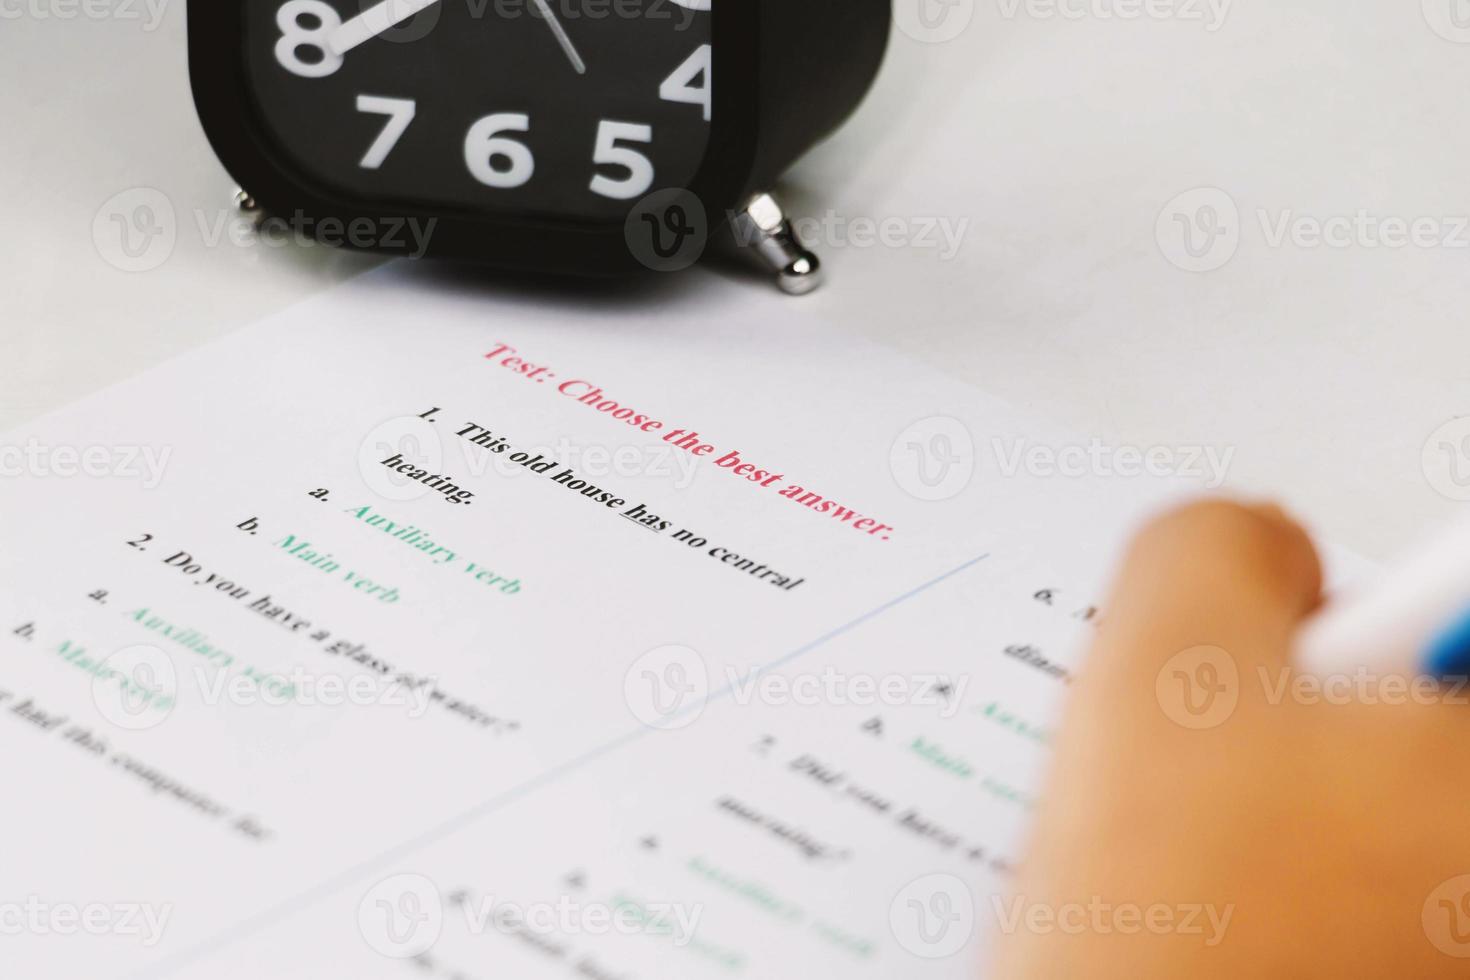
pixel 271 708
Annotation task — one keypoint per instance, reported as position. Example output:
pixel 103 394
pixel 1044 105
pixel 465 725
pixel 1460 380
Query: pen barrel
pixel 1392 622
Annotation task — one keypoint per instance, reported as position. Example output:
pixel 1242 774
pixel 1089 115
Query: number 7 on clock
pixel 399 112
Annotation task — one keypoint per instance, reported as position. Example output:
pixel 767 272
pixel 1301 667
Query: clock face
pixel 569 109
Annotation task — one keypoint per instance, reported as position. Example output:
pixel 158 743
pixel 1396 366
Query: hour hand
pixel 374 21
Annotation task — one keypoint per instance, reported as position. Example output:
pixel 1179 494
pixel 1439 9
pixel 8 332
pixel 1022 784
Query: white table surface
pixel 1060 139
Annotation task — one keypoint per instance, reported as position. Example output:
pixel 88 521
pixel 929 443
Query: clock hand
pixel 561 36
pixel 374 21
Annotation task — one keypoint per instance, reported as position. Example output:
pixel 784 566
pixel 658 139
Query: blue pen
pixel 1449 652
pixel 1412 618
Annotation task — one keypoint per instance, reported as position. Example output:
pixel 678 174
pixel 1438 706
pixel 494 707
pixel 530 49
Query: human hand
pixel 1270 831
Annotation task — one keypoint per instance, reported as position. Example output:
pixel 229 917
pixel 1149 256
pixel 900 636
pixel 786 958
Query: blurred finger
pixel 1210 576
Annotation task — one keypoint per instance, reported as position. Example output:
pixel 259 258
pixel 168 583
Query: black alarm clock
pixel 593 137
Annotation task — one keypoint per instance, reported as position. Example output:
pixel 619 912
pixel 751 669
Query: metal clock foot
pixel 764 227
pixel 245 203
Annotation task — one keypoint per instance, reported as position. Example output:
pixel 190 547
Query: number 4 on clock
pixel 681 87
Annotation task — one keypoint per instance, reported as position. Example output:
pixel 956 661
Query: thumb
pixel 1210 575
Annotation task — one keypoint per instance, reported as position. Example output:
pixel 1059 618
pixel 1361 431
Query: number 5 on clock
pixel 400 114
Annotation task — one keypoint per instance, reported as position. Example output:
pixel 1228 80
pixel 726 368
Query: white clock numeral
pixel 680 87
pixel 639 167
pixel 483 145
pixel 399 112
pixel 307 25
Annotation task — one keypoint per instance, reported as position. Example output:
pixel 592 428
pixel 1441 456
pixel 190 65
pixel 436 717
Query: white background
pixel 1059 136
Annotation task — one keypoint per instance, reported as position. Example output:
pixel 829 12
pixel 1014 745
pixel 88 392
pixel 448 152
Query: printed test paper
pixel 415 632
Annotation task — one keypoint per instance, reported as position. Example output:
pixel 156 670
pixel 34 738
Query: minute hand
pixel 374 21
